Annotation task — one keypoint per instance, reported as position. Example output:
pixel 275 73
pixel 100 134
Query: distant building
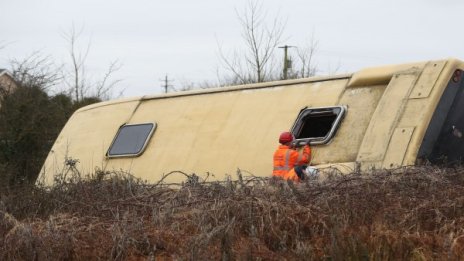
pixel 7 81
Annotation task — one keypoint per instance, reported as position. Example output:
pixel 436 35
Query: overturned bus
pixel 381 117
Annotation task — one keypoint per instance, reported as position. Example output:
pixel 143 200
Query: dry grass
pixel 405 214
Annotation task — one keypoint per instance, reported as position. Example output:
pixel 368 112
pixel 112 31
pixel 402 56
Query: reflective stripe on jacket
pixel 291 175
pixel 285 158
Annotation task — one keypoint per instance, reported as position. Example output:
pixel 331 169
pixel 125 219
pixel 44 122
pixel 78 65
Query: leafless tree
pixel 254 62
pixel 334 68
pixel 189 85
pixel 76 78
pixel 306 58
pixel 107 84
pixel 35 70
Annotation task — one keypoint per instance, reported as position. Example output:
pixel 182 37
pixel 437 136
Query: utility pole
pixel 166 84
pixel 287 62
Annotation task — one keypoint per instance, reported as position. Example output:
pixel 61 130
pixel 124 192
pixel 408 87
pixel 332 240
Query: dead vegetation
pixel 405 214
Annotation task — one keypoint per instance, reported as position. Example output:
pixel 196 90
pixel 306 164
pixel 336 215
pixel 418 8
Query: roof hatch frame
pixel 337 113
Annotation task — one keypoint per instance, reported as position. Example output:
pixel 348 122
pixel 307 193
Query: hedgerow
pixel 414 213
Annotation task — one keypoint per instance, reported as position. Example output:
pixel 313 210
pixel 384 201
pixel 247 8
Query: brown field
pixel 404 214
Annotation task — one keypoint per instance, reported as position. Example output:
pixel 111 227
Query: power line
pixel 166 86
pixel 287 62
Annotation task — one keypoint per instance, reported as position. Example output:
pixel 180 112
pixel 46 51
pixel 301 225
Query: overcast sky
pixel 180 37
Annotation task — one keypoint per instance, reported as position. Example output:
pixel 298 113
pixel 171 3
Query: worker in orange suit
pixel 289 164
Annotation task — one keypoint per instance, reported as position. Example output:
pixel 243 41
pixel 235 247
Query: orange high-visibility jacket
pixel 291 175
pixel 285 158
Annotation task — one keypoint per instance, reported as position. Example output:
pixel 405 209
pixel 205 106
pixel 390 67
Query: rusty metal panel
pixel 386 117
pixel 397 148
pixel 427 80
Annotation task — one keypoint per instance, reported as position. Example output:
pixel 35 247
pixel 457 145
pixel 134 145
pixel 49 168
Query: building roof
pixel 6 72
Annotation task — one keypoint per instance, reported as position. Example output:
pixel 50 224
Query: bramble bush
pixel 403 214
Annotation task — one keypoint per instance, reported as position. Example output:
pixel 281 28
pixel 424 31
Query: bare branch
pixel 106 84
pixel 77 79
pixel 78 59
pixel 260 39
pixel 35 70
pixel 306 56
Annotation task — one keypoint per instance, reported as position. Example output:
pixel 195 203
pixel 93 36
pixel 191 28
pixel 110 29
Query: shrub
pixel 405 214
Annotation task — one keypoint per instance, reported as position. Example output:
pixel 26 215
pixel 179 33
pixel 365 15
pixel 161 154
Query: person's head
pixel 286 138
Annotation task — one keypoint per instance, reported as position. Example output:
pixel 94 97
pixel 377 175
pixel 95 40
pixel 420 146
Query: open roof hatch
pixel 317 125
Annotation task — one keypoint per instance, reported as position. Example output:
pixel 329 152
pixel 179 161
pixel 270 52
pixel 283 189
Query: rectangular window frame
pixel 140 152
pixel 297 125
